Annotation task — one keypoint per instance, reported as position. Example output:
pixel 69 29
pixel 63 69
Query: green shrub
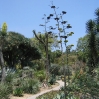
pixel 85 84
pixel 68 70
pixel 40 75
pixel 56 95
pixel 30 86
pixel 4 91
pixel 55 69
pixel 17 82
pixel 52 79
pixel 9 78
pixel 8 82
pixel 49 95
pixel 18 92
pixel 18 73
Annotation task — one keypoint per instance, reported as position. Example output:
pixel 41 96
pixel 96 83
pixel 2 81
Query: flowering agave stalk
pixel 61 22
pixel 45 41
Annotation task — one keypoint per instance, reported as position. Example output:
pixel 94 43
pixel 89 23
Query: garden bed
pixel 25 96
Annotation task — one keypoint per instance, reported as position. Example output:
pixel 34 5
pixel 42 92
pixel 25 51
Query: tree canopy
pixel 19 49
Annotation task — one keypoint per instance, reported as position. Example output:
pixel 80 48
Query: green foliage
pixel 49 95
pixel 8 83
pixel 19 49
pixel 82 48
pixel 39 64
pixel 67 70
pixel 4 91
pixel 19 73
pixel 52 79
pixel 25 84
pixel 18 92
pixel 3 32
pixel 55 69
pixel 56 95
pixel 40 75
pixel 92 49
pixel 52 41
pixel 9 78
pixel 87 47
pixel 54 55
pixel 85 84
pixel 30 86
pixel 4 27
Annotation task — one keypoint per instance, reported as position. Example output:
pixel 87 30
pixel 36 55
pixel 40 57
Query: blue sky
pixel 23 16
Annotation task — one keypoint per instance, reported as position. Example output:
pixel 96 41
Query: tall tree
pixel 97 20
pixel 3 33
pixel 92 52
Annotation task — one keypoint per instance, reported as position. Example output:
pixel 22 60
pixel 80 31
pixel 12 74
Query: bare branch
pixel 39 38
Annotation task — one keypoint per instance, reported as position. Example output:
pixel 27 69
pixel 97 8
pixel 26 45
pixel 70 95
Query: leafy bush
pixel 30 86
pixel 9 78
pixel 18 92
pixel 85 84
pixel 52 79
pixel 56 95
pixel 49 95
pixel 55 69
pixel 18 73
pixel 17 82
pixel 8 82
pixel 40 75
pixel 67 70
pixel 4 91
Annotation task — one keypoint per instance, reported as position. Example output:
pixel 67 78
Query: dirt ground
pixel 29 95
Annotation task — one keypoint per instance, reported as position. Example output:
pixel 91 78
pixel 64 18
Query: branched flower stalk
pixel 45 42
pixel 59 20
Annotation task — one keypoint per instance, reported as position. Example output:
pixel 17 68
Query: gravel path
pixel 61 83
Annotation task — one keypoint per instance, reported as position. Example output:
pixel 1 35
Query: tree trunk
pixel 3 70
pixel 47 59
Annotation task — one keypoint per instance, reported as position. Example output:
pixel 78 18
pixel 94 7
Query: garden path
pixel 61 83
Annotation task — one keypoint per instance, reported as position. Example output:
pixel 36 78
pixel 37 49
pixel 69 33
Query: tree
pixel 92 51
pixel 92 27
pixel 52 42
pixel 3 33
pixel 87 46
pixel 82 48
pixel 55 55
pixel 19 49
pixel 97 20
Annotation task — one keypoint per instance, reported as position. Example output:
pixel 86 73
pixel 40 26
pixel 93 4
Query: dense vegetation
pixel 26 63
